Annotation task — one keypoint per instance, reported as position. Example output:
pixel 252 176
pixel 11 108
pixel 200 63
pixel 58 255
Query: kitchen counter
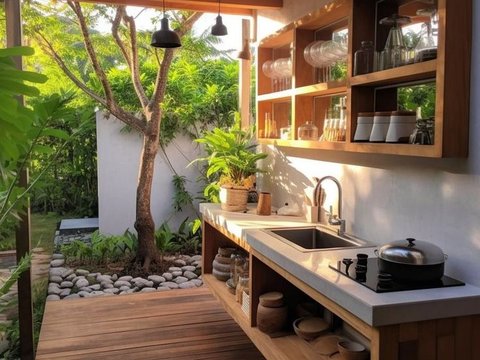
pixel 312 268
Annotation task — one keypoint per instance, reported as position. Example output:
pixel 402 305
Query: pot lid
pixel 412 252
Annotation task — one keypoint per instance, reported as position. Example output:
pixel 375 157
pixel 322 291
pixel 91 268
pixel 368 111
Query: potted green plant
pixel 231 165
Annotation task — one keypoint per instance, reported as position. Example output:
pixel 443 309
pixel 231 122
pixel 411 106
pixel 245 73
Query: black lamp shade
pixel 219 29
pixel 165 38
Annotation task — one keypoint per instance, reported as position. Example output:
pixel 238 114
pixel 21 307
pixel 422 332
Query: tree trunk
pixel 144 224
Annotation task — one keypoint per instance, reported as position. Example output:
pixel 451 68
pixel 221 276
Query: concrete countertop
pixel 376 309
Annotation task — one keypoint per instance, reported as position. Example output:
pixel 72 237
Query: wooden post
pixel 245 77
pixel 25 311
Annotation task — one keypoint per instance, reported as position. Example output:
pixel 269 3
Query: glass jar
pixel 363 61
pixel 308 131
pixel 421 135
pixel 243 282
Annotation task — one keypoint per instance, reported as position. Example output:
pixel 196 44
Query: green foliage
pixel 181 196
pixel 189 237
pixel 103 249
pixel 231 158
pixel 418 96
pixel 165 240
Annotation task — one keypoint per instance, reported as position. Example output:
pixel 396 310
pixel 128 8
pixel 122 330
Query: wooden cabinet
pixel 304 99
pixel 450 338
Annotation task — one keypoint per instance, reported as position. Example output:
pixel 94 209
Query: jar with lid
pixel 308 131
pixel 363 59
pixel 243 283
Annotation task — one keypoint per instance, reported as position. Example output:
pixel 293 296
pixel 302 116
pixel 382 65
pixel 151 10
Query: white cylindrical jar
pixel 402 124
pixel 381 121
pixel 364 126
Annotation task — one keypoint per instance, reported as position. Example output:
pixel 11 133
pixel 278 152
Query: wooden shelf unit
pixel 375 91
pixel 436 339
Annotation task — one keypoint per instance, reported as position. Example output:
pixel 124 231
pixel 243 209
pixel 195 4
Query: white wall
pixel 391 197
pixel 118 164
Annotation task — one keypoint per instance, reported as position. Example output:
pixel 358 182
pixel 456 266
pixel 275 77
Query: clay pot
pixel 271 320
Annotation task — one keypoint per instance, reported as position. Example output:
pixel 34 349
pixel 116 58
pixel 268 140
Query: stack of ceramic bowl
pixel 221 264
pixel 310 327
pixel 272 313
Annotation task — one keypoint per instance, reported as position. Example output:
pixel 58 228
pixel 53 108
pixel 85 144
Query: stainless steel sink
pixel 315 238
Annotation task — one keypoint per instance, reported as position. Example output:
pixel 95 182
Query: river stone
pixel 95 287
pixel 56 279
pixel 148 289
pixel 70 277
pixel 57 256
pixel 197 257
pixel 114 277
pixel 141 283
pixel 177 273
pixel 111 291
pixel 86 289
pixel 197 282
pixel 125 278
pixel 82 272
pixel 106 285
pixel 76 278
pixel 157 279
pixel 179 262
pixel 65 292
pixel 101 278
pixel 187 285
pixel 163 288
pixel 72 296
pixel 197 264
pixel 67 272
pixel 190 275
pixel 170 285
pixel 53 297
pixel 120 283
pixel 66 284
pixel 174 268
pixel 83 293
pixel 54 291
pixel 188 268
pixel 167 276
pixel 57 271
pixel 124 288
pixel 92 279
pixel 81 283
pixel 57 262
pixel 97 293
pixel 180 280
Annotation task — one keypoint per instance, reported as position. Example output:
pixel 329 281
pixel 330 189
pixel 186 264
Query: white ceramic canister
pixel 381 121
pixel 364 126
pixel 402 124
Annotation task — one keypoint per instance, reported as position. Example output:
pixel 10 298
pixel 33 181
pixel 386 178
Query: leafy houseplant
pixel 231 165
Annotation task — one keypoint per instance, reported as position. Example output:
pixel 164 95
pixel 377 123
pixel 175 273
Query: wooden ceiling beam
pixel 237 7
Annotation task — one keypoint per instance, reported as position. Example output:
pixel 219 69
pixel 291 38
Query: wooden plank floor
pixel 178 324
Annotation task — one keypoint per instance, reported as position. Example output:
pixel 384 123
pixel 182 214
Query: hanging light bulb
pixel 219 29
pixel 165 38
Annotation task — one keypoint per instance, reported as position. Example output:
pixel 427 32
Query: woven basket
pixel 233 198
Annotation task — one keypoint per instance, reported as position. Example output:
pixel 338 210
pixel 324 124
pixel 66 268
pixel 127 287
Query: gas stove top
pixel 365 272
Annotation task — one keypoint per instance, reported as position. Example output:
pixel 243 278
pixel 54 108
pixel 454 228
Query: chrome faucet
pixel 334 220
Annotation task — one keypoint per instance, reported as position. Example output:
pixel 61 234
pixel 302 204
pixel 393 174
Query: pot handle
pixel 375 252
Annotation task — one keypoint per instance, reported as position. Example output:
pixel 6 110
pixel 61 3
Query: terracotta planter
pixel 233 198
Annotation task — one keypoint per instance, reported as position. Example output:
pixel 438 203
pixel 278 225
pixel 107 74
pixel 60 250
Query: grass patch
pixel 43 228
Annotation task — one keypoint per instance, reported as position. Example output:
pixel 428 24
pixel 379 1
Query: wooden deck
pixel 179 324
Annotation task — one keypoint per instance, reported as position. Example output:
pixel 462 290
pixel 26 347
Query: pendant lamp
pixel 165 38
pixel 219 29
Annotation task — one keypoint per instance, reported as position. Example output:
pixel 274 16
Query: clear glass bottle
pixel 363 60
pixel 308 131
pixel 242 286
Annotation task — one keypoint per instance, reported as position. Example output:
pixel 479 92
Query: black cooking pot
pixel 411 260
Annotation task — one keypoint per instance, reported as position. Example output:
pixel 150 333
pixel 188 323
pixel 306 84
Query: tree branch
pixel 116 36
pixel 77 9
pixel 134 65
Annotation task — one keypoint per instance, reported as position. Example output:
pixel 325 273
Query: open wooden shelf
pixel 322 89
pixel 413 72
pixel 278 96
pixel 281 348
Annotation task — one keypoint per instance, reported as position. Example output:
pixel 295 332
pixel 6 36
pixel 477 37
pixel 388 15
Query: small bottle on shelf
pixel 363 59
pixel 308 131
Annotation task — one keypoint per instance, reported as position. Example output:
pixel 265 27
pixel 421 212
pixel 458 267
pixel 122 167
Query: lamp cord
pixel 163 8
pixel 218 7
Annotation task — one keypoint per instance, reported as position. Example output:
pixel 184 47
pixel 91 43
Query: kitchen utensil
pixel 421 135
pixel 351 350
pixel 309 328
pixel 393 55
pixel 411 260
pixel 363 58
pixel 308 131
